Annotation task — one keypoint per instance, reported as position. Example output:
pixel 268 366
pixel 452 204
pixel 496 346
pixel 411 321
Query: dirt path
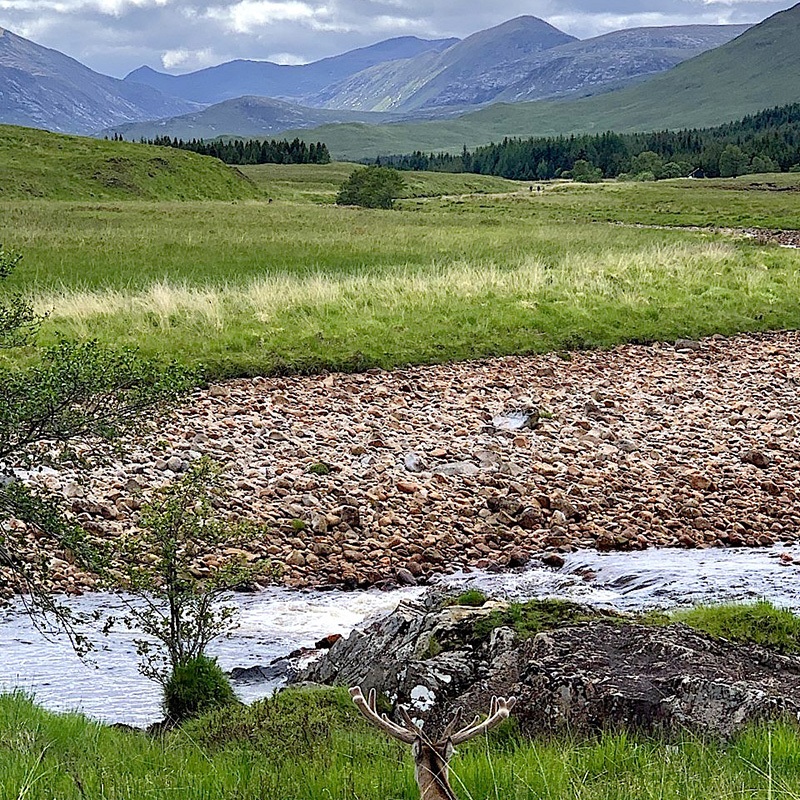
pixel 692 445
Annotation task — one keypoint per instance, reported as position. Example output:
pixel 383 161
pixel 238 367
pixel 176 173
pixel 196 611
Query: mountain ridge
pixel 242 77
pixel 44 88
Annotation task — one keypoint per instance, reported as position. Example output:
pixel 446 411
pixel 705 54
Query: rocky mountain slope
pixel 44 88
pixel 292 82
pixel 523 59
pixel 611 60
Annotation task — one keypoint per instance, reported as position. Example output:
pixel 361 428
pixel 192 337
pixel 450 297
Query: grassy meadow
pixel 313 745
pixel 466 266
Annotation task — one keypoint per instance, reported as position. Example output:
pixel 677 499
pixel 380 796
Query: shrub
pixel 673 170
pixel 371 187
pixel 196 686
pixel 585 172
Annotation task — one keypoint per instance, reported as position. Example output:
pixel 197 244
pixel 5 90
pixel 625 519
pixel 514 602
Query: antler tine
pixel 499 709
pixel 369 710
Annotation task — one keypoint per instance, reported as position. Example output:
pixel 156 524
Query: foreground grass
pixel 256 287
pixel 312 745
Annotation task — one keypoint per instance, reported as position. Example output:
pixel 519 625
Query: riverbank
pixel 315 746
pixel 367 479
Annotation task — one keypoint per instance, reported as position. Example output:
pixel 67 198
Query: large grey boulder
pixel 604 673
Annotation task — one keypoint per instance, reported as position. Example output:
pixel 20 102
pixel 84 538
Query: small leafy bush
pixel 585 172
pixel 196 686
pixel 320 468
pixel 371 187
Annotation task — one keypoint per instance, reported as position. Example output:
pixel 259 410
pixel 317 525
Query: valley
pixel 271 430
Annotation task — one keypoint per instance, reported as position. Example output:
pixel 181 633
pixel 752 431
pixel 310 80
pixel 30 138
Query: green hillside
pixel 35 163
pixel 757 70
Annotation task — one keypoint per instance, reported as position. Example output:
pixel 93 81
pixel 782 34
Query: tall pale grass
pixel 627 277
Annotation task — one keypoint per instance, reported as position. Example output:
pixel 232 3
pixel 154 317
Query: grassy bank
pixel 312 745
pixel 300 284
pixel 39 164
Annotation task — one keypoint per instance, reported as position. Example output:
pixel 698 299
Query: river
pixel 274 622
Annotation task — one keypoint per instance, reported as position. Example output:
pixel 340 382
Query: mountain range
pixel 404 78
pixel 754 71
pixel 523 59
pixel 281 81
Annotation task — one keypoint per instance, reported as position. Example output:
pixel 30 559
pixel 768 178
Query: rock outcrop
pixel 605 673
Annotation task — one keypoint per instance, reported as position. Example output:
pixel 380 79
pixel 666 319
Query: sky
pixel 116 36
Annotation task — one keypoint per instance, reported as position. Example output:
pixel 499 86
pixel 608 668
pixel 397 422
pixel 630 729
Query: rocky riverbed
pixel 381 477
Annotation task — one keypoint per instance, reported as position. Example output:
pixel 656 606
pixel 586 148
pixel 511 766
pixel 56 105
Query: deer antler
pixel 368 709
pixel 499 710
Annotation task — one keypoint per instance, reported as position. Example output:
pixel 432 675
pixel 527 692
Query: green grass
pixel 254 288
pixel 753 623
pixel 746 75
pixel 466 267
pixel 312 745
pixel 38 164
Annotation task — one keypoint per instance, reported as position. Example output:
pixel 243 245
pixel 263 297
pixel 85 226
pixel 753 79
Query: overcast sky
pixel 115 36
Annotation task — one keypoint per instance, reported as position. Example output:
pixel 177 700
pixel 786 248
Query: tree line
pixel 768 141
pixel 250 151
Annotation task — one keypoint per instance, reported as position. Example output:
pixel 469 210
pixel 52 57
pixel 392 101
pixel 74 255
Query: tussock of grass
pixel 534 616
pixel 315 746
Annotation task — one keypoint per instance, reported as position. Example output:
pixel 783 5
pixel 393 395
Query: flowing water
pixel 276 621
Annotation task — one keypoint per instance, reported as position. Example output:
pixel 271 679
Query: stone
pixel 757 458
pixel 414 462
pixel 518 557
pixel 465 469
pixel 553 560
pixel 405 577
pixel 701 482
pixel 516 420
pixel 319 522
pixel 582 679
pixel 326 642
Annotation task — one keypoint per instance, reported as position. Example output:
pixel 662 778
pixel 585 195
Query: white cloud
pixel 188 59
pixel 247 15
pixel 115 36
pixel 286 58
